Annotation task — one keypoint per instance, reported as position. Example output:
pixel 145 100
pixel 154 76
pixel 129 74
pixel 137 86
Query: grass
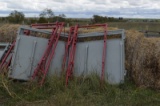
pixel 80 92
pixel 151 26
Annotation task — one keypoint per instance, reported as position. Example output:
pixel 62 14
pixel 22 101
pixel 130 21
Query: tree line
pixel 48 16
pixel 103 19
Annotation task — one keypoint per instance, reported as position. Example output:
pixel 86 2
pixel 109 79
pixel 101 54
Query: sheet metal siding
pixel 88 58
pixel 3 49
pixel 27 53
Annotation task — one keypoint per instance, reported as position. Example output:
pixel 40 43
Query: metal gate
pixel 88 57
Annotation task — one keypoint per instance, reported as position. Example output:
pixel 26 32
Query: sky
pixel 85 8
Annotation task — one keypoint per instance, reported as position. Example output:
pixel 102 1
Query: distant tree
pixel 103 19
pixel 16 17
pixel 48 14
pixel 99 19
pixel 96 18
pixel 4 20
pixel 62 15
pixel 42 20
pixel 59 19
pixel 120 18
pixel 111 19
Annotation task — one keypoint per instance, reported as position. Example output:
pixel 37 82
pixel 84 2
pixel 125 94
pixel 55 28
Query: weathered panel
pixel 88 58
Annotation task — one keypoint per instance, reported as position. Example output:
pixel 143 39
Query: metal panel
pixel 56 64
pixel 22 28
pixel 3 49
pixel 27 53
pixel 88 58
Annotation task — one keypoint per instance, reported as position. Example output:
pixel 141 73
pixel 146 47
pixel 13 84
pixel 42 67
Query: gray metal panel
pixel 114 73
pixel 22 28
pixel 27 53
pixel 110 33
pixel 88 58
pixel 3 49
pixel 83 35
pixel 56 64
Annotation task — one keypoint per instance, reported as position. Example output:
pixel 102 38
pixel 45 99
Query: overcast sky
pixel 85 8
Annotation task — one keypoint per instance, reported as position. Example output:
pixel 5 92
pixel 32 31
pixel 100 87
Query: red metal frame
pixel 71 53
pixel 104 53
pixel 45 61
pixel 4 63
pixel 26 32
pixel 73 41
pixel 71 32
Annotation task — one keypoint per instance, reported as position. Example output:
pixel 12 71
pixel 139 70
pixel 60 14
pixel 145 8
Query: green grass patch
pixel 144 26
pixel 80 92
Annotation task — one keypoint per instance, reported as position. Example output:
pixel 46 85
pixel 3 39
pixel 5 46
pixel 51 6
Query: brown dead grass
pixel 143 59
pixel 87 30
pixel 8 32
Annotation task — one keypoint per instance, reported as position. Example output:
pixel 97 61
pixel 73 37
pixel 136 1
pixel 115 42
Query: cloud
pixel 84 8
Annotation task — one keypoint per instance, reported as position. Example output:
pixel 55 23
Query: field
pixel 8 32
pixel 142 55
pixel 80 92
pixel 143 26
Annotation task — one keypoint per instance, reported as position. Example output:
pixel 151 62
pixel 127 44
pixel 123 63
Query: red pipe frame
pixel 104 53
pixel 45 61
pixel 71 32
pixel 4 63
pixel 73 39
pixel 72 54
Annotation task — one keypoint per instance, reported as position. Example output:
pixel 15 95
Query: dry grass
pixel 8 32
pixel 143 59
pixel 87 30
